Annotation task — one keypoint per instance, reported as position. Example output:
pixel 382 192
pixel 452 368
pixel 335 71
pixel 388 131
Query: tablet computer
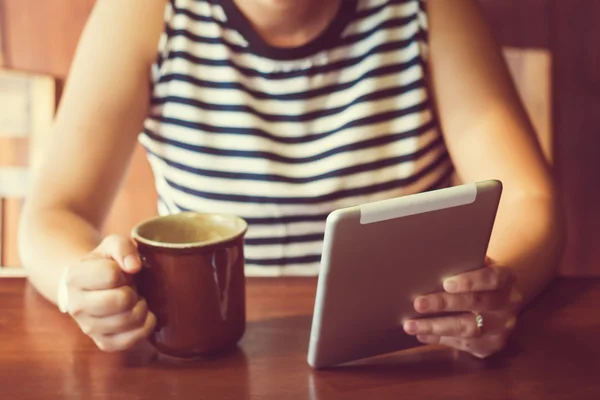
pixel 378 257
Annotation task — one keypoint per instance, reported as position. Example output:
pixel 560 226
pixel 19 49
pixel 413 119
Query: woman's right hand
pixel 101 297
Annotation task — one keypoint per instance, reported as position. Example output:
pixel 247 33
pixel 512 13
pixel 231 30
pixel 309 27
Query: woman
pixel 281 111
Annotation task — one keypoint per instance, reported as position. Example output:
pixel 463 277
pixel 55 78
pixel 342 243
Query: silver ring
pixel 479 321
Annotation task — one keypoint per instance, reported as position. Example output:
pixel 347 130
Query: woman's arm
pixel 489 137
pixel 93 136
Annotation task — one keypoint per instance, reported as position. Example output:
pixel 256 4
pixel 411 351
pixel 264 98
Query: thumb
pixel 123 251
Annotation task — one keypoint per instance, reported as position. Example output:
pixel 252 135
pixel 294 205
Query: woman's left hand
pixel 489 292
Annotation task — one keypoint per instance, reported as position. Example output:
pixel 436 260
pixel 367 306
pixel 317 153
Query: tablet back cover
pixel 377 258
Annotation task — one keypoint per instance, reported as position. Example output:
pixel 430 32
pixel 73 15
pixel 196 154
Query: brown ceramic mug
pixel 193 280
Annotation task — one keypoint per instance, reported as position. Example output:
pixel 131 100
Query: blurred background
pixel 551 47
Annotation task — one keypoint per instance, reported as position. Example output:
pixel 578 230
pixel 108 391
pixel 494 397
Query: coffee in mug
pixel 193 281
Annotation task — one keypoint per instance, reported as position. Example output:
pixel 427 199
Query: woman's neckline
pixel 329 36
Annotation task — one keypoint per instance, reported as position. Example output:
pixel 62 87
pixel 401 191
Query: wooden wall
pixel 40 36
pixel 570 30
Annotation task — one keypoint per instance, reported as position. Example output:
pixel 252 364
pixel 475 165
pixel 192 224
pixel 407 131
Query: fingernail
pixel 131 263
pixel 450 285
pixel 422 304
pixel 410 327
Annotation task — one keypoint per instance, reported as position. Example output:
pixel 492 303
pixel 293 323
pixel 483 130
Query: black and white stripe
pixel 282 137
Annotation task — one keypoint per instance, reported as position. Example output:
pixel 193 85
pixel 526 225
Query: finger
pixel 119 323
pixel 471 301
pixel 126 340
pixel 123 251
pixel 483 279
pixel 103 303
pixel 463 325
pixel 96 274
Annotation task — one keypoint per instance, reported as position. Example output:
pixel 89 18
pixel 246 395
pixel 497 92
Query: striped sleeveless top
pixel 283 136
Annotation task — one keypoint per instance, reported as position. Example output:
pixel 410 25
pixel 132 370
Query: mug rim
pixel 191 245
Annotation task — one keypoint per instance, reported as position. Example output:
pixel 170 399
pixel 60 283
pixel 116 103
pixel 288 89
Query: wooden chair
pixel 27 104
pixel 531 70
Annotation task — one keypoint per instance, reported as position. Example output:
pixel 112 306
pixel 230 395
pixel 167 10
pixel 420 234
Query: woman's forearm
pixel 528 238
pixel 50 240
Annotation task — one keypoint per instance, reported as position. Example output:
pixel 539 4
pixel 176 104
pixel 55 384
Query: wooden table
pixel 555 354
